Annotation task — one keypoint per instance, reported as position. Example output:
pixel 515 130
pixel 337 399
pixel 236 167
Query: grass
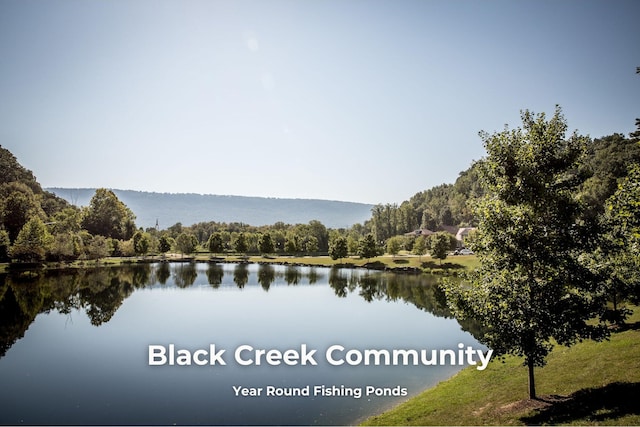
pixel 399 262
pixel 589 383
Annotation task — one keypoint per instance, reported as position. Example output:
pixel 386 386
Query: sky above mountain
pixel 366 101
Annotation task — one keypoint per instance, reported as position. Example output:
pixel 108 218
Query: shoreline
pixel 398 264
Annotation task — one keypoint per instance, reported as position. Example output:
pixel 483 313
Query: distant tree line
pixel 605 162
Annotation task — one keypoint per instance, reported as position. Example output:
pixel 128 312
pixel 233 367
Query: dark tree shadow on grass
pixel 444 265
pixel 609 402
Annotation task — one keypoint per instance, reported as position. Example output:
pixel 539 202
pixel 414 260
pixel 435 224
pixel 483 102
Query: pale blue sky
pixel 367 101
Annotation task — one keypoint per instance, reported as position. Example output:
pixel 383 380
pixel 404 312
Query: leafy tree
pixel 240 243
pixel 291 245
pixel 618 258
pixel 367 247
pixel 606 164
pixel 32 242
pixel 311 244
pixel 279 239
pixel 141 242
pixel 393 245
pixel 67 220
pixel 12 171
pixel 108 216
pixel 319 231
pixel 215 244
pixel 265 244
pixel 439 245
pixel 18 204
pixel 353 243
pixel 97 248
pixel 165 243
pixel 532 288
pixel 186 243
pixel 420 246
pixel 66 247
pixel 338 248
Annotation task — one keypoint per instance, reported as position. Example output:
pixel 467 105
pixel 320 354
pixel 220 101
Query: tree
pixel 532 287
pixel 32 242
pixel 66 246
pixel 393 245
pixel 18 204
pixel 164 244
pixel 338 247
pixel 186 243
pixel 265 244
pixel 367 247
pixel 240 243
pixel 439 245
pixel 291 245
pixel 617 260
pixel 108 216
pixel 141 242
pixel 319 231
pixel 214 244
pixel 97 248
pixel 420 246
pixel 311 244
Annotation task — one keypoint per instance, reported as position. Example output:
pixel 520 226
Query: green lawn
pixel 587 384
pixel 425 263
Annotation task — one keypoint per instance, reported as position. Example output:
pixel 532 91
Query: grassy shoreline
pixel 587 384
pixel 399 263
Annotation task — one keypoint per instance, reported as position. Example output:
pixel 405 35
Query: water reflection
pixel 51 374
pixel 101 291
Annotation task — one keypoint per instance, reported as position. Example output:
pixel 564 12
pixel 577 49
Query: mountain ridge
pixel 192 208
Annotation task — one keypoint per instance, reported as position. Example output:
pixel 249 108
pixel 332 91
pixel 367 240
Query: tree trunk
pixel 532 384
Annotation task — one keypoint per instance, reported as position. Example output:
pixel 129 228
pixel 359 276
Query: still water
pixel 74 346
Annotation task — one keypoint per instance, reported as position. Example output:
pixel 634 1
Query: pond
pixel 228 344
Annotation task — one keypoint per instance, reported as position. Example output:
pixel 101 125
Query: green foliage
pixel 32 242
pixel 439 245
pixel 5 244
pixel 265 244
pixel 617 260
pixel 108 216
pixel 186 243
pixel 367 247
pixel 141 242
pixel 240 243
pixel 18 204
pixel 420 246
pixel 606 163
pixel 532 288
pixel 443 205
pixel 12 171
pixel 311 244
pixel 67 220
pixel 215 244
pixel 291 244
pixel 338 247
pixel 66 246
pixel 394 244
pixel 164 244
pixel 97 248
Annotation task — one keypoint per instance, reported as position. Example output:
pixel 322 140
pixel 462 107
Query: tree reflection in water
pixel 101 291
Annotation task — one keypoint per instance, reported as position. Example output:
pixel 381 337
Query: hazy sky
pixel 368 101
